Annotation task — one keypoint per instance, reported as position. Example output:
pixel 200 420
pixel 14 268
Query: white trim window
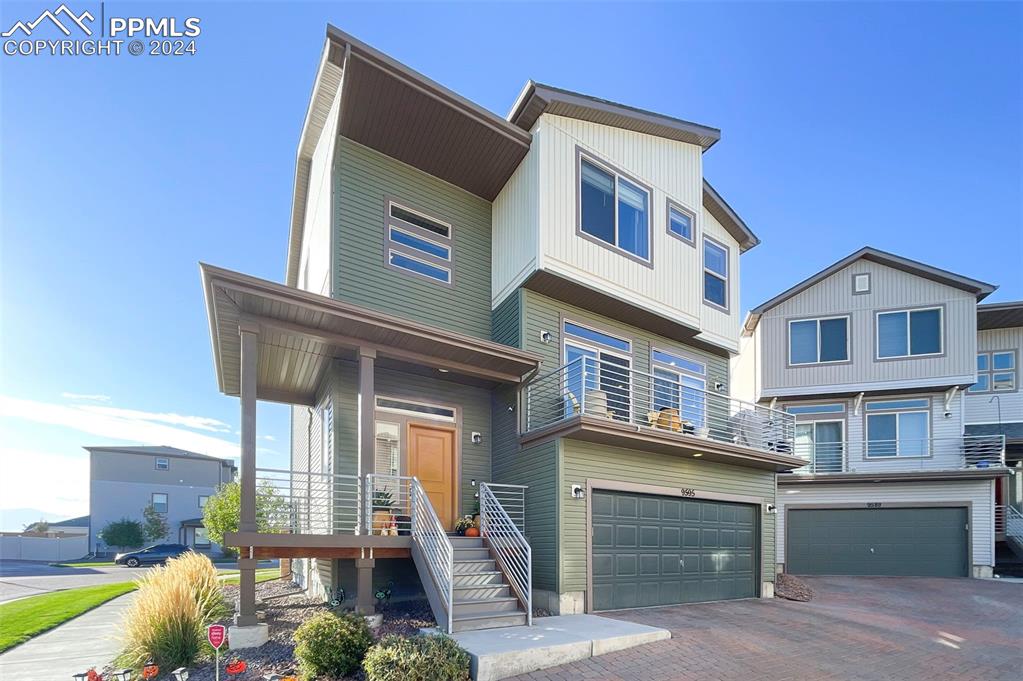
pixel 614 209
pixel 680 383
pixel 715 273
pixel 159 501
pixel 162 464
pixel 418 244
pixel 996 372
pixel 898 428
pixel 418 409
pixel 909 333
pixel 822 443
pixel 599 371
pixel 819 341
pixel 681 223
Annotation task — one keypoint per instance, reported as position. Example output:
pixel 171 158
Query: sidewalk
pixel 73 647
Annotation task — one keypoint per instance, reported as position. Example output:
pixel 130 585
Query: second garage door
pixel 653 550
pixel 917 542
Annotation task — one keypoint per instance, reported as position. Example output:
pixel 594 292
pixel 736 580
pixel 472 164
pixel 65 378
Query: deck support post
pixel 364 599
pixel 367 427
pixel 246 615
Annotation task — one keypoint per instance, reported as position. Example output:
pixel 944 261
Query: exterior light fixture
pixel 697 454
pixel 578 492
pixel 443 371
pixel 545 336
pixel 180 674
pixel 124 675
pixel 477 438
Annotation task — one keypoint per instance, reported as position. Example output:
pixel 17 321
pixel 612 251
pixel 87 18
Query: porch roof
pixel 300 333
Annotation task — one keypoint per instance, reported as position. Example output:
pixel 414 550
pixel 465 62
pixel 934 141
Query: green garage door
pixel 652 550
pixel 917 542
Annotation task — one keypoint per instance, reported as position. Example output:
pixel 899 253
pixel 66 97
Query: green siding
pixel 584 460
pixel 506 320
pixel 363 179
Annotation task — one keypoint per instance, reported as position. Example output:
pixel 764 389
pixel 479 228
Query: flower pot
pixel 381 521
pixel 472 532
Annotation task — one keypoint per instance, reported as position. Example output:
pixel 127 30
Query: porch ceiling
pixel 300 333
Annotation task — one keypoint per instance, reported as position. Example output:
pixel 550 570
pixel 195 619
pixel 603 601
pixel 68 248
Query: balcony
pixel 601 401
pixel 978 453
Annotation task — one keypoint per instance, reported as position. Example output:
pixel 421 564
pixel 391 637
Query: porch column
pixel 246 615
pixel 364 599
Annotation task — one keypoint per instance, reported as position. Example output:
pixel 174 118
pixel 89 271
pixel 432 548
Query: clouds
pixel 91 398
pixel 57 483
pixel 197 422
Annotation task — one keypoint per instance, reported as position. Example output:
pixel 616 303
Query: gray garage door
pixel 651 550
pixel 920 542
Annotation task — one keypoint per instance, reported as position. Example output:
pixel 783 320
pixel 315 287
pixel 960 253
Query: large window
pixel 996 372
pixel 819 341
pixel 820 442
pixel 715 273
pixel 598 375
pixel 680 384
pixel 159 502
pixel 898 428
pixel 613 209
pixel 909 333
pixel 418 244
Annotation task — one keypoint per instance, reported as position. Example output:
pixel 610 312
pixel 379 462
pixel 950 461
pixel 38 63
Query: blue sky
pixel 895 125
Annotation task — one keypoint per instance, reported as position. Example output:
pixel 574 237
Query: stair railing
pixel 435 546
pixel 1013 523
pixel 512 552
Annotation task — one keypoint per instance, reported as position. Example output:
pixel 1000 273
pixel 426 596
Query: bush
pixel 332 645
pixel 122 533
pixel 174 604
pixel 419 658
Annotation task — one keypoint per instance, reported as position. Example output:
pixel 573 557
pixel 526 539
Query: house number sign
pixel 873 504
pixel 688 492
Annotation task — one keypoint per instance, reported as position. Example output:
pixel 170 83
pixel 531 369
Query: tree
pixel 223 511
pixel 154 525
pixel 40 526
pixel 122 533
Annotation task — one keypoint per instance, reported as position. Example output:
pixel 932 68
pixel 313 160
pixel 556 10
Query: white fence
pixel 51 549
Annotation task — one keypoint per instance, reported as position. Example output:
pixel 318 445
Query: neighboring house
pixel 872 356
pixel 539 310
pixel 124 480
pixel 71 526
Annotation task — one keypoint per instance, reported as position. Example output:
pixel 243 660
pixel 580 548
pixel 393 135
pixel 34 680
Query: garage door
pixel 920 542
pixel 652 550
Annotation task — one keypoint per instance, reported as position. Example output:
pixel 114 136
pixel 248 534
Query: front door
pixel 431 458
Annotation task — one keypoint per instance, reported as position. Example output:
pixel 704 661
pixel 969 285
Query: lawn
pixel 22 619
pixel 264 575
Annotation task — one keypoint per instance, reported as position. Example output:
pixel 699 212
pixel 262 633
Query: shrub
pixel 174 604
pixel 122 533
pixel 332 645
pixel 418 658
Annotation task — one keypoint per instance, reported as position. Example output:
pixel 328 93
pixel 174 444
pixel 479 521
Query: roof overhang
pixel 399 112
pixel 1000 315
pixel 301 333
pixel 895 476
pixel 728 218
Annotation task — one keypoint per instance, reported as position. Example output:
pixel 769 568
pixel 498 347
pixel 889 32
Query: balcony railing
pixel 904 454
pixel 601 388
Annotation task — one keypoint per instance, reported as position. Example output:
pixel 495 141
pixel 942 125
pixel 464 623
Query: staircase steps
pixel 483 599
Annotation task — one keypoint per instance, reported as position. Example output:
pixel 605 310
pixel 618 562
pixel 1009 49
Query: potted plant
pixel 476 511
pixel 382 503
pixel 463 524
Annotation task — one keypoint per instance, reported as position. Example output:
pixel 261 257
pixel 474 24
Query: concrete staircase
pixel 483 598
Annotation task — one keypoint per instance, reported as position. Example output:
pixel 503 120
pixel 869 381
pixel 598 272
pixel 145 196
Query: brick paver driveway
pixel 890 628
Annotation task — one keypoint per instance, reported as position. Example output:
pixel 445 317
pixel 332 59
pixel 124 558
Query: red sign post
pixel 215 634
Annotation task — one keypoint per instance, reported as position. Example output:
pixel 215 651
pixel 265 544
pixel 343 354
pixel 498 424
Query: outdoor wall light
pixel 125 675
pixel 771 508
pixel 545 336
pixel 578 492
pixel 180 674
pixel 477 438
pixel 719 386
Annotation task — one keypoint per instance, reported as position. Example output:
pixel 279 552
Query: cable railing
pixel 666 401
pixel 304 502
pixel 512 499
pixel 902 454
pixel 509 546
pixel 434 545
pixel 388 506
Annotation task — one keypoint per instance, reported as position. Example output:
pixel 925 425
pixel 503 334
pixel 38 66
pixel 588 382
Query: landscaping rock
pixel 792 588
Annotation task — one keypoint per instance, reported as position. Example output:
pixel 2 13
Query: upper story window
pixel 909 333
pixel 613 209
pixel 159 502
pixel 202 501
pixel 681 223
pixel 418 244
pixel 163 464
pixel 898 428
pixel 715 273
pixel 805 409
pixel 996 372
pixel 819 341
pixel 680 385
pixel 597 362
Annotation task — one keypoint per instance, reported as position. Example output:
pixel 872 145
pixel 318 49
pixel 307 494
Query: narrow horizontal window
pixel 816 409
pixel 433 410
pixel 715 273
pixel 589 334
pixel 909 333
pixel 402 237
pixel 613 209
pixel 818 341
pixel 1003 381
pixel 899 404
pixel 420 267
pixel 680 223
pixel 680 362
pixel 420 220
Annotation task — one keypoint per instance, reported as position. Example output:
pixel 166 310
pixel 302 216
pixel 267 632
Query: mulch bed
pixel 792 588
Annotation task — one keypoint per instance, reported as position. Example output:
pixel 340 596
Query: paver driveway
pixel 856 628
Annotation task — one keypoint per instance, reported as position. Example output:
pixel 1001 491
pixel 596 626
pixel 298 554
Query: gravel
pixel 792 588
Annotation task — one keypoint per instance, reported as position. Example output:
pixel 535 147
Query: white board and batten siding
pixel 1008 408
pixel 978 493
pixel 535 224
pixel 890 289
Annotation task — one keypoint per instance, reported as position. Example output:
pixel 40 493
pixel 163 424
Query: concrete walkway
pixel 86 641
pixel 501 653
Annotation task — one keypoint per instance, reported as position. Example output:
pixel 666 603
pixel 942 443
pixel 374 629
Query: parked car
pixel 151 555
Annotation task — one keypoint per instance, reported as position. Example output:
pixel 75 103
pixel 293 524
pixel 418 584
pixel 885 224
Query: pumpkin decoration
pixel 235 667
pixel 472 532
pixel 93 675
pixel 150 670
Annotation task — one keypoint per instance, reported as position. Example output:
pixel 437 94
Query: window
pixel 715 274
pixel 163 464
pixel 388 448
pixel 898 428
pixel 681 223
pixel 415 408
pixel 861 283
pixel 202 538
pixel 679 384
pixel 159 502
pixel 613 209
pixel 819 341
pixel 589 334
pixel 202 501
pixel 996 371
pixel 797 410
pixel 821 443
pixel 327 437
pixel 418 244
pixel 594 369
pixel 909 333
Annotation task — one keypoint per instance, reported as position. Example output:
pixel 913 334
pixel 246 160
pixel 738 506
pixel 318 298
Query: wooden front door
pixel 431 458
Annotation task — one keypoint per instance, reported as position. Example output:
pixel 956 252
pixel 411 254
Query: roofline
pixel 979 288
pixel 132 449
pixel 1005 305
pixel 729 219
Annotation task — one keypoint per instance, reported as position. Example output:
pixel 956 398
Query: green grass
pixel 22 619
pixel 263 575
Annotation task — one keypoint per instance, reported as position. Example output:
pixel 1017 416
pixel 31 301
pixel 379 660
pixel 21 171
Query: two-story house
pixel 528 318
pixel 872 356
pixel 123 481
